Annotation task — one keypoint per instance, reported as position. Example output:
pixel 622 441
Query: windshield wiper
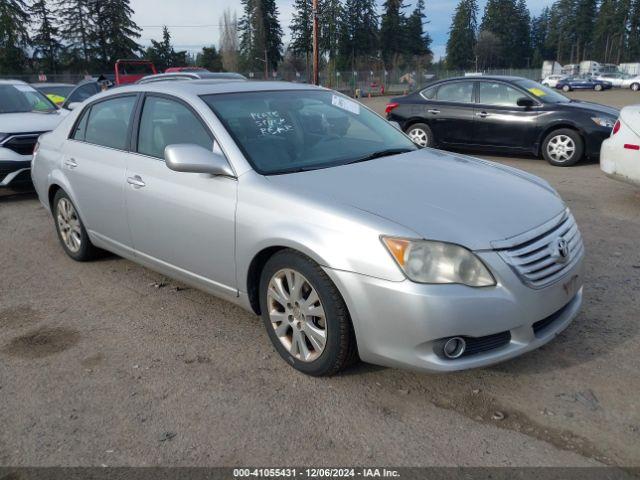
pixel 380 153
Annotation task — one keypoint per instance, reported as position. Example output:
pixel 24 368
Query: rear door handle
pixel 482 114
pixel 434 111
pixel 136 181
pixel 71 163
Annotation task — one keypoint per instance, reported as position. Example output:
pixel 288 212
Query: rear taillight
pixel 616 127
pixel 390 106
pixel 36 147
pixel 631 146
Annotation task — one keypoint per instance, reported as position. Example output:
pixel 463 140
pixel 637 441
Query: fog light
pixel 454 347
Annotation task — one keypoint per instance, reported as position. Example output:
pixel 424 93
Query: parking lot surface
pixel 109 363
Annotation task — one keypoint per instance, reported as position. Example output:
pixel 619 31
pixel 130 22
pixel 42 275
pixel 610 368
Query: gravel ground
pixel 109 363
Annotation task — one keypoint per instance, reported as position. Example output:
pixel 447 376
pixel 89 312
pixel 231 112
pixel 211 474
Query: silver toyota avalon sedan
pixel 310 210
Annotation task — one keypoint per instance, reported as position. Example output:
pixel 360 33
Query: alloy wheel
pixel 635 87
pixel 297 315
pixel 69 225
pixel 561 148
pixel 419 137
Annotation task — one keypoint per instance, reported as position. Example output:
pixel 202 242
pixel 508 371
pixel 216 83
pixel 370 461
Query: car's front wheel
pixel 566 88
pixel 635 87
pixel 71 232
pixel 421 135
pixel 563 147
pixel 305 315
pixel 597 87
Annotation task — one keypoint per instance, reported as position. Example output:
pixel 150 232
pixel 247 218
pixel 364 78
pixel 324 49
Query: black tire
pixel 566 88
pixel 340 348
pixel 635 87
pixel 86 251
pixel 577 152
pixel 597 87
pixel 423 129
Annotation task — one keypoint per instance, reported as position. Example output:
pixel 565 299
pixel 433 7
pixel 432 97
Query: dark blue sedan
pixel 575 83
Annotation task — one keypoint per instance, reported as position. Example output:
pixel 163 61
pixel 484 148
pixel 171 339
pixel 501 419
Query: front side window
pixel 429 93
pixel 167 122
pixel 459 92
pixel 22 98
pixel 298 130
pixel 108 122
pixel 80 94
pixel 499 94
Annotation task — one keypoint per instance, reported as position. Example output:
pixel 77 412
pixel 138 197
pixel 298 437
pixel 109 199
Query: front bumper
pixel 15 173
pixel 402 324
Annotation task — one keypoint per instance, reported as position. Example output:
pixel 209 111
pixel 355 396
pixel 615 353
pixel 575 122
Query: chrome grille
pixel 536 256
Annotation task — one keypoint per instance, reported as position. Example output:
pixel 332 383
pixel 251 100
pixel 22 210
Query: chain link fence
pixel 362 83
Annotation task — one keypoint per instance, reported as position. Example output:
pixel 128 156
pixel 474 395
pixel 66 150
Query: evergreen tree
pixel 302 30
pixel 505 21
pixel 210 59
pixel 45 43
pixel 162 53
pixel 76 30
pixel 114 32
pixel 462 36
pixel 14 36
pixel 605 30
pixel 632 52
pixel 358 38
pixel 331 16
pixel 539 34
pixel 418 41
pixel 260 34
pixel 523 35
pixel 393 32
pixel 585 15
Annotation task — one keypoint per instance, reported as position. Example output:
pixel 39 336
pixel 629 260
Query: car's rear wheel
pixel 305 315
pixel 71 232
pixel 563 147
pixel 421 135
pixel 566 88
pixel 597 87
pixel 635 87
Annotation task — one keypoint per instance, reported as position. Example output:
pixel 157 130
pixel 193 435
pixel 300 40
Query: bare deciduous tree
pixel 229 40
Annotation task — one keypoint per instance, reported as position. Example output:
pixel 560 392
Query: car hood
pixel 29 122
pixel 592 107
pixel 439 196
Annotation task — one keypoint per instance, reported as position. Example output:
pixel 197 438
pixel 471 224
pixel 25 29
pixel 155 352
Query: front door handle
pixel 136 181
pixel 482 114
pixel 433 111
pixel 71 163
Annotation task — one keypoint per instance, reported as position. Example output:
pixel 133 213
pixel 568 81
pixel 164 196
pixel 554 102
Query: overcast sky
pixel 195 23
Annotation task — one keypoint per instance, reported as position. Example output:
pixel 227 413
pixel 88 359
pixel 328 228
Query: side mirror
pixel 187 157
pixel 525 102
pixel 72 105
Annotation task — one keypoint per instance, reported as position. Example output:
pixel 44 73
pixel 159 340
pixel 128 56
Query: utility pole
pixel 266 65
pixel 316 80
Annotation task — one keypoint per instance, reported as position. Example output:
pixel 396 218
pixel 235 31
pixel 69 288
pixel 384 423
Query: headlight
pixel 603 122
pixel 426 261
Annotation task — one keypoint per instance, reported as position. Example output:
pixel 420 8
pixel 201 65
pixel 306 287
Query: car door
pixel 450 112
pixel 500 122
pixel 181 223
pixel 94 161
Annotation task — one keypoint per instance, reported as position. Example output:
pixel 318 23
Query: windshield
pixel 58 90
pixel 298 130
pixel 18 98
pixel 545 94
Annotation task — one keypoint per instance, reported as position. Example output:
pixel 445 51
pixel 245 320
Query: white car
pixel 632 82
pixel 620 153
pixel 25 114
pixel 615 79
pixel 552 80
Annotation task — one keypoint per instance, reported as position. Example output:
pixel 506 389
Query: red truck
pixel 130 71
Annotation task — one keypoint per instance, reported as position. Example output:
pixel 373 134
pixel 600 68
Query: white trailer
pixel 630 68
pixel 550 67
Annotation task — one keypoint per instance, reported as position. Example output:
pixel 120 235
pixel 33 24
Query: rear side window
pixel 108 123
pixel 429 93
pixel 168 122
pixel 460 92
pixel 81 127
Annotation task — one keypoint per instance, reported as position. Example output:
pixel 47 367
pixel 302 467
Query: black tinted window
pixel 430 92
pixel 80 94
pixel 109 121
pixel 167 122
pixel 461 92
pixel 499 94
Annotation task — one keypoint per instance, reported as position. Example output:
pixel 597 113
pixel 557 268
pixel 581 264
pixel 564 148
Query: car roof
pixel 508 78
pixel 12 82
pixel 200 74
pixel 46 84
pixel 213 86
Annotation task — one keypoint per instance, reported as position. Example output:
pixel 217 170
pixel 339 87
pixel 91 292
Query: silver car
pixel 303 206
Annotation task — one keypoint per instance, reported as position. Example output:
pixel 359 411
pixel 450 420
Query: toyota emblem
pixel 562 250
